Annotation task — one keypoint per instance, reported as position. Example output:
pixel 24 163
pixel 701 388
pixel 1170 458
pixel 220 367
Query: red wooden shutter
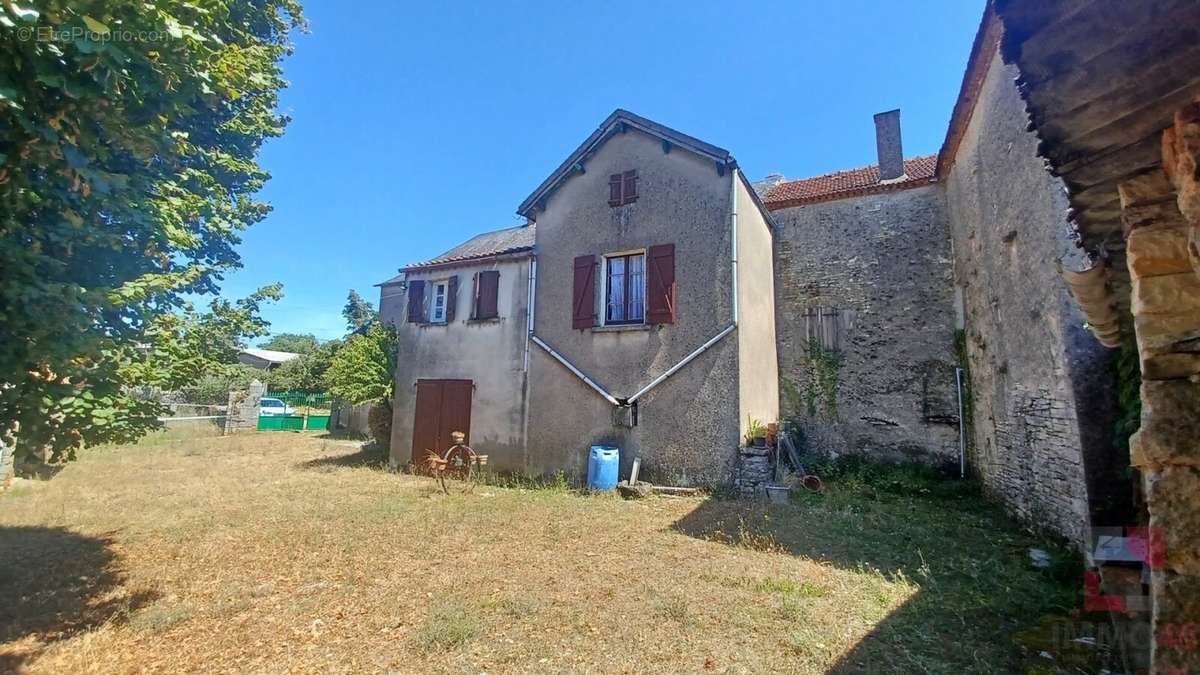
pixel 583 303
pixel 629 194
pixel 416 301
pixel 489 291
pixel 614 190
pixel 451 298
pixel 660 284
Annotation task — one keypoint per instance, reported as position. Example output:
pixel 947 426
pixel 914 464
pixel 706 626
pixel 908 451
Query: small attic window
pixel 622 188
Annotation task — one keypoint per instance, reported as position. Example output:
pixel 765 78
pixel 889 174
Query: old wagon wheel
pixel 459 462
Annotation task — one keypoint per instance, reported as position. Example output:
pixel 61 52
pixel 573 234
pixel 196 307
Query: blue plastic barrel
pixel 602 467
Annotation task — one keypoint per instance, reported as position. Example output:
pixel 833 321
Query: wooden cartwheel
pixel 459 463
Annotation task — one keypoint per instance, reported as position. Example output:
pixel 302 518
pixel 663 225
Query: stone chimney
pixel 887 142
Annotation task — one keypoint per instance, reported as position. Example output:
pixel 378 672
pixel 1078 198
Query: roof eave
pixel 522 252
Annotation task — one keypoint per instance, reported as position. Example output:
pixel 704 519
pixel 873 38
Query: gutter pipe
pixel 578 373
pixel 962 426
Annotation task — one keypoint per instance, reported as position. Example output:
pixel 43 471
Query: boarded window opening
pixel 829 327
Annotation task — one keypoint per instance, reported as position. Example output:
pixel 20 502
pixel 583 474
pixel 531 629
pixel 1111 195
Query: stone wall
pixel 242 413
pixel 1041 385
pixel 878 268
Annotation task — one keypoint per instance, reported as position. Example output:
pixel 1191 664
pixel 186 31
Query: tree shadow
pixel 368 455
pixel 55 584
pixel 975 588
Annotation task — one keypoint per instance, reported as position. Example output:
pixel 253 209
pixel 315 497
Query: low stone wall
pixel 242 412
pixel 753 471
pixel 6 466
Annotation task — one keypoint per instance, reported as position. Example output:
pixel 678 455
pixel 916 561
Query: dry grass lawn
pixel 280 552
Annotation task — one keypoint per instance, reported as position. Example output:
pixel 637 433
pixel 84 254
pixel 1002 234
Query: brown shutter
pixel 489 292
pixel 583 314
pixel 451 298
pixel 474 296
pixel 416 301
pixel 629 194
pixel 614 190
pixel 660 284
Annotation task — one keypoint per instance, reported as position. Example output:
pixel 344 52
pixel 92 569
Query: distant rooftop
pixel 270 355
pixel 849 183
pixel 486 245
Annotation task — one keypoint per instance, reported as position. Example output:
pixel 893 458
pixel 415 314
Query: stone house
pixel 650 325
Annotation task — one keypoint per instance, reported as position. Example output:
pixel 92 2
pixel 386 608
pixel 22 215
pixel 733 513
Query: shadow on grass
pixel 369 455
pixel 55 584
pixel 969 563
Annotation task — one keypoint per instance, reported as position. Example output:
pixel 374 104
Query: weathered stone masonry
pixel 881 263
pixel 1040 384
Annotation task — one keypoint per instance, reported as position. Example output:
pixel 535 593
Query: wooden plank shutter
pixel 451 298
pixel 583 302
pixel 629 193
pixel 614 190
pixel 487 306
pixel 416 301
pixel 660 284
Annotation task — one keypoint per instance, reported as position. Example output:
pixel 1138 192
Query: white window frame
pixel 602 296
pixel 444 285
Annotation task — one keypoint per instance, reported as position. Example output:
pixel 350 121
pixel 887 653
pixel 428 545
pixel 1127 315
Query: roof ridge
pixel 857 168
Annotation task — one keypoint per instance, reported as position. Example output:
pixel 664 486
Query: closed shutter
pixel 583 303
pixel 629 193
pixel 451 298
pixel 614 190
pixel 416 302
pixel 489 290
pixel 660 284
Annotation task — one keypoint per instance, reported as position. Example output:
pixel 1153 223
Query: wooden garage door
pixel 443 407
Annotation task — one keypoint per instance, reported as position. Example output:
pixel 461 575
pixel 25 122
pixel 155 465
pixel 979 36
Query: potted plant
pixel 756 433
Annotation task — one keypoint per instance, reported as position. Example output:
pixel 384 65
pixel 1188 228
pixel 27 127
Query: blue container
pixel 602 467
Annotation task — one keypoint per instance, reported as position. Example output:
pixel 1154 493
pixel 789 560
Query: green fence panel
pixel 317 423
pixel 281 423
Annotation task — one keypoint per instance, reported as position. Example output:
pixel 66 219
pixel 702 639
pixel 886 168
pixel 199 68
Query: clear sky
pixel 419 124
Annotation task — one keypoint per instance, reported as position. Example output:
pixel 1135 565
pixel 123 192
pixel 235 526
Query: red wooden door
pixel 443 407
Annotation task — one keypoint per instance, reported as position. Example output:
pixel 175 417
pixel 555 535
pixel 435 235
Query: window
pixel 828 327
pixel 625 289
pixel 622 188
pixel 437 311
pixel 487 291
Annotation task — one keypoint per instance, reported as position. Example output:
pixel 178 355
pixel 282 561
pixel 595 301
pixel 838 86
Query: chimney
pixel 887 142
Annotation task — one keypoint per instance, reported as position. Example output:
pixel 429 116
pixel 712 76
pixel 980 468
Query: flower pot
pixel 759 441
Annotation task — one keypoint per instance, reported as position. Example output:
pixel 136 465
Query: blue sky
pixel 417 125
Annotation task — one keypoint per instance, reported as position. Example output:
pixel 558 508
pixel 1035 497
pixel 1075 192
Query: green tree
pixel 363 371
pixel 358 312
pixel 297 343
pixel 129 136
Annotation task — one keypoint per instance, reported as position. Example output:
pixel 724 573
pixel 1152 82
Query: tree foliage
pixel 129 135
pixel 358 312
pixel 364 368
pixel 306 373
pixel 296 343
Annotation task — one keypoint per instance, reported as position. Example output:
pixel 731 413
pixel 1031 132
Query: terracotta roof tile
pixel 853 182
pixel 486 245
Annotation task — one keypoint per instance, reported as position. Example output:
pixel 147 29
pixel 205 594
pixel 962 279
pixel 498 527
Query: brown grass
pixel 279 552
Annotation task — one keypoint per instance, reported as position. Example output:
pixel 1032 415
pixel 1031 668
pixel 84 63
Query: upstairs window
pixel 625 289
pixel 487 291
pixel 622 188
pixel 437 310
